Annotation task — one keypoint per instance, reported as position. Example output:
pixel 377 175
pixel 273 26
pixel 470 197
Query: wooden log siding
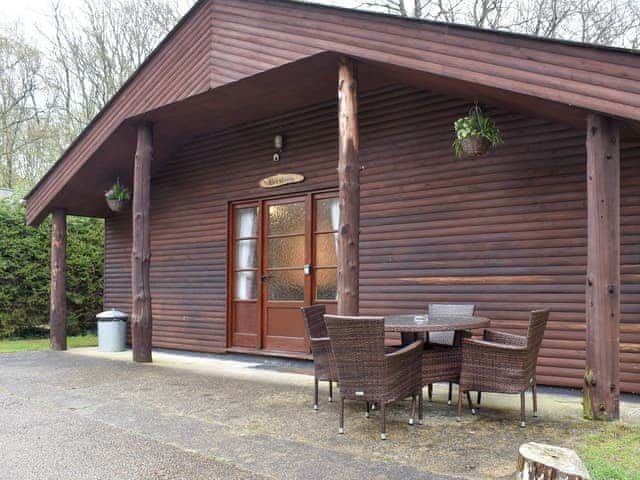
pixel 260 34
pixel 516 217
pixel 222 41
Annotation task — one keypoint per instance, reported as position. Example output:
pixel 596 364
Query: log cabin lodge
pixel 363 205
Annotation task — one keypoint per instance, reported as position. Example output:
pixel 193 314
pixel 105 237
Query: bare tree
pixel 19 68
pixel 605 22
pixel 48 94
pixel 94 49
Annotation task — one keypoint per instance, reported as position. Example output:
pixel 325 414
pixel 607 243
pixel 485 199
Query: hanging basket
pixel 117 205
pixel 475 146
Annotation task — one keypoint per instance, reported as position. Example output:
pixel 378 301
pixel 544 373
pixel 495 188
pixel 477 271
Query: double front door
pixel 283 257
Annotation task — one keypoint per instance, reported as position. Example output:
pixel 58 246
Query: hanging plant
pixel 475 134
pixel 117 197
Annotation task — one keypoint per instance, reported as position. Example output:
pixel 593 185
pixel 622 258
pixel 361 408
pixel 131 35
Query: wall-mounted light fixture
pixel 278 144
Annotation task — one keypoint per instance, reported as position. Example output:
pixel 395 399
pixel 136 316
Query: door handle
pixel 307 269
pixel 265 277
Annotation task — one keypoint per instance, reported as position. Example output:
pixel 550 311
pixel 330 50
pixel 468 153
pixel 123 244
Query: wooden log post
pixel 602 376
pixel 58 306
pixel 349 189
pixel 141 321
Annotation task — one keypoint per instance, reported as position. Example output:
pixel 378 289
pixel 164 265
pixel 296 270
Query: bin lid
pixel 112 314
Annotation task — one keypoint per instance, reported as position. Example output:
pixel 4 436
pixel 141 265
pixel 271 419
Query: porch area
pixel 546 221
pixel 234 416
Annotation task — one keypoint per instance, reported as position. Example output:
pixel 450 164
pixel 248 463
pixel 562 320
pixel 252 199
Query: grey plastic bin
pixel 112 331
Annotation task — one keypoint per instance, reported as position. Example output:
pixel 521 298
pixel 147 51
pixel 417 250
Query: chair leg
pixel 368 409
pixel 478 400
pixel 315 393
pixel 534 390
pixel 330 391
pixel 473 410
pixel 522 422
pixel 459 417
pixel 341 428
pixel 413 409
pixel 450 393
pixel 383 421
pixel 420 407
pixel 430 392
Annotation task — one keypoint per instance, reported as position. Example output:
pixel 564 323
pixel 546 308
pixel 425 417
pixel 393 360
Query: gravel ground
pixel 82 415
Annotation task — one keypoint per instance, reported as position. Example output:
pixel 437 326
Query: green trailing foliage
pixel 25 272
pixel 476 124
pixel 118 192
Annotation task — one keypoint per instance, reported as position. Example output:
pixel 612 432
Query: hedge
pixel 25 270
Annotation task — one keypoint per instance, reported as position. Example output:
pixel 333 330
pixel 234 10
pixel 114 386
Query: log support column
pixel 349 189
pixel 602 374
pixel 58 310
pixel 141 322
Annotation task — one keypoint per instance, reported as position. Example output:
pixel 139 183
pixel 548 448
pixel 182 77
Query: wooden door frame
pixel 309 196
pixel 230 264
pixel 264 286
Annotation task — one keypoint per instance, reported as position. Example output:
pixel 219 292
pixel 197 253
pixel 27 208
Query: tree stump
pixel 537 461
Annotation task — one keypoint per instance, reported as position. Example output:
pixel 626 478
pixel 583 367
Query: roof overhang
pixel 293 86
pixel 303 83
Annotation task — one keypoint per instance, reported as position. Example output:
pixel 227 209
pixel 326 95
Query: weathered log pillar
pixel 349 189
pixel 141 322
pixel 602 375
pixel 58 310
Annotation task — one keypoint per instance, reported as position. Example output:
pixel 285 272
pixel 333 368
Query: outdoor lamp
pixel 278 144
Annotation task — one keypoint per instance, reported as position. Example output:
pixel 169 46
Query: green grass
pixel 613 454
pixel 23 345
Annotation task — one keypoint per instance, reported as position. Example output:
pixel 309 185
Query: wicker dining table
pixel 410 329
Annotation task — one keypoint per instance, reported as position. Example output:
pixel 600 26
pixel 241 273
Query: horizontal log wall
pixel 256 35
pixel 222 41
pixel 506 232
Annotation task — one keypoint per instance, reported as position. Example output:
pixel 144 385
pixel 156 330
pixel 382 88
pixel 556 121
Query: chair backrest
pixel 435 309
pixel 537 325
pixel 451 309
pixel 357 344
pixel 314 321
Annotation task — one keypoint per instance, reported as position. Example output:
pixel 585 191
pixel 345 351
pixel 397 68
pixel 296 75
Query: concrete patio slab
pixel 85 414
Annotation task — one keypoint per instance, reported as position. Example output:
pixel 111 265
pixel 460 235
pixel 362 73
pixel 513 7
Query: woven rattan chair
pixel 503 363
pixel 442 359
pixel 323 363
pixel 366 373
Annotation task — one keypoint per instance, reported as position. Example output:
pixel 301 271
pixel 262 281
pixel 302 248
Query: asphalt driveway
pixel 82 415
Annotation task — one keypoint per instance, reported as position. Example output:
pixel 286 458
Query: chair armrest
pixel 405 360
pixel 319 339
pixel 504 338
pixel 415 346
pixel 493 367
pixel 504 347
pixel 403 370
pixel 320 345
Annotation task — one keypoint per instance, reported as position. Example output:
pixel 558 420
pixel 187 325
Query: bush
pixel 25 272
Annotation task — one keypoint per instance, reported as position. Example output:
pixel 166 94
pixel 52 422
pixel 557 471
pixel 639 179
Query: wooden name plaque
pixel 281 179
